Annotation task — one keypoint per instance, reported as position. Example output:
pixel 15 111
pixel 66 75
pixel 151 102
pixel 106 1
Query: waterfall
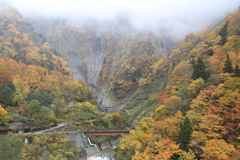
pixel 96 64
pixel 97 54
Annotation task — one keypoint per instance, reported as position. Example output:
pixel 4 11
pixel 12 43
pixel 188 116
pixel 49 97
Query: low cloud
pixel 175 17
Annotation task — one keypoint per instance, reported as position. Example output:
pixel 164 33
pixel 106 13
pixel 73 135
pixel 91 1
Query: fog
pixel 174 17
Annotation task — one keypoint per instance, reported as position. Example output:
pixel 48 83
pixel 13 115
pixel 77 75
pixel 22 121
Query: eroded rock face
pixel 104 57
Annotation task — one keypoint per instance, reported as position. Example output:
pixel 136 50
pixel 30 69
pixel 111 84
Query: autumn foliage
pixel 195 92
pixel 35 83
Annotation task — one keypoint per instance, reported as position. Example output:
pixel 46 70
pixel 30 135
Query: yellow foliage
pixel 117 118
pixel 87 106
pixel 183 69
pixel 145 124
pixel 143 155
pixel 3 112
pixel 143 82
pixel 195 86
pixel 218 149
pixel 197 141
pixel 211 126
pixel 194 118
pixel 187 155
pixel 173 101
pixel 156 65
pixel 4 118
pixel 168 127
pixel 160 112
pixel 185 47
pixel 166 149
pixel 233 83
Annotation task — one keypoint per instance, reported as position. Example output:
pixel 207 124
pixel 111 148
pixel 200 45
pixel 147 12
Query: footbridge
pixel 80 138
pixel 107 132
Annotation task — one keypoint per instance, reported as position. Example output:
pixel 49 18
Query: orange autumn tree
pixel 218 149
pixel 162 96
pixel 4 75
pixel 117 118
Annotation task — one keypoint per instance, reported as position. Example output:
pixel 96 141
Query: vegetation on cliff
pixel 194 92
pixel 36 85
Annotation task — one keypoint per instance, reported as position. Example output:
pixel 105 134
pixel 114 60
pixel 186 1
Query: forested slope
pixel 36 83
pixel 195 94
pixel 186 103
pixel 31 71
pixel 36 88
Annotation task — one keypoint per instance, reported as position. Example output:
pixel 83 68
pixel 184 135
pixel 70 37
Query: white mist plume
pixel 176 17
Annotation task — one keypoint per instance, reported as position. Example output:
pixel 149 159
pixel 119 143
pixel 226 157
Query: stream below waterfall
pixel 105 154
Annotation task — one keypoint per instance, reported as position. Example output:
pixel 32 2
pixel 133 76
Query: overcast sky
pixel 178 15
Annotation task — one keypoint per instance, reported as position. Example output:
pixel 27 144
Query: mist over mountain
pixel 173 18
pixel 99 38
pixel 113 66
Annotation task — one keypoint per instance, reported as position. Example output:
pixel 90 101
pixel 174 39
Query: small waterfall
pixel 96 60
pixel 97 53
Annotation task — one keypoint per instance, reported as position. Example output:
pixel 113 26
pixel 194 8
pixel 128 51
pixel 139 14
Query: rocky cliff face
pixel 105 59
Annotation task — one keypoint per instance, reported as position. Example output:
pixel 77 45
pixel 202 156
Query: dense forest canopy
pixel 185 104
pixel 195 93
pixel 37 90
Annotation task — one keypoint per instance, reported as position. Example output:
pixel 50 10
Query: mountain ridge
pixel 91 53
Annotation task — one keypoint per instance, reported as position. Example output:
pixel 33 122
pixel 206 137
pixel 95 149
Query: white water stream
pixel 105 154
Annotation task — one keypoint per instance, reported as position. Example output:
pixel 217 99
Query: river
pixel 105 154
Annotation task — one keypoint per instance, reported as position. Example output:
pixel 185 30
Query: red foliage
pixel 162 96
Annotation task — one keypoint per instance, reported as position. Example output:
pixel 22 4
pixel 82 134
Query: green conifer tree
pixel 228 65
pixel 236 71
pixel 6 94
pixel 199 69
pixel 223 33
pixel 185 133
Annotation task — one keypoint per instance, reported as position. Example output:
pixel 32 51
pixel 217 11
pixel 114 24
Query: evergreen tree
pixel 223 33
pixel 199 69
pixel 184 134
pixel 236 71
pixel 6 94
pixel 194 74
pixel 228 65
pixel 192 60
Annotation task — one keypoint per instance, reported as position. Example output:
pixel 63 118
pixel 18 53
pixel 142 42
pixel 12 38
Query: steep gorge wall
pixel 99 56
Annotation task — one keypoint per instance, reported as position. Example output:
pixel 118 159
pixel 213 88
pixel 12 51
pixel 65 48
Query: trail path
pixel 53 128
